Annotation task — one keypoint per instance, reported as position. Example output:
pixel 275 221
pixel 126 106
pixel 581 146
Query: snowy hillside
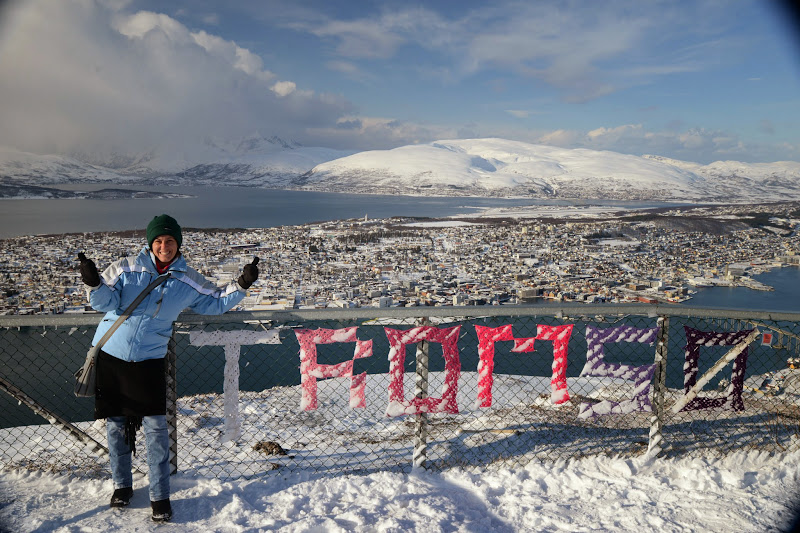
pixel 465 167
pixel 22 168
pixel 279 169
pixel 497 167
pixel 770 181
pixel 253 161
pixel 164 160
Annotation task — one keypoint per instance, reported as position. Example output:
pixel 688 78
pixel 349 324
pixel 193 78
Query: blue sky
pixel 694 80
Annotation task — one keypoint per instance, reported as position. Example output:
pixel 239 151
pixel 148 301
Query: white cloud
pixel 345 67
pixel 606 135
pixel 695 139
pixel 518 113
pixel 212 19
pixel 76 73
pixel 378 133
pixel 563 138
pixel 240 58
pixel 350 70
pixel 361 38
pixel 585 52
pixel 696 145
pixel 143 22
pixel 284 88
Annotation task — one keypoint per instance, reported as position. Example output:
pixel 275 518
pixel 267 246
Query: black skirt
pixel 130 389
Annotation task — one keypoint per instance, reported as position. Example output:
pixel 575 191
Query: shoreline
pixel 441 260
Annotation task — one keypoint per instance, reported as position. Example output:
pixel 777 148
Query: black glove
pixel 89 273
pixel 249 274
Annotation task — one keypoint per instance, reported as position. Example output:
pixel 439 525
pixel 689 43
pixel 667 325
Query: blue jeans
pixel 157 441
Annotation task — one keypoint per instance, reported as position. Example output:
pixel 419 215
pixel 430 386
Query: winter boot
pixel 162 510
pixel 121 497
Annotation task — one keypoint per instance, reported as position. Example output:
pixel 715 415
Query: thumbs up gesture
pixel 249 274
pixel 89 273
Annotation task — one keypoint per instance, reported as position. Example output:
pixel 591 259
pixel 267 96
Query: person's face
pixel 165 248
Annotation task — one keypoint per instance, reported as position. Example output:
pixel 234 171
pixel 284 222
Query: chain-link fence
pixel 376 389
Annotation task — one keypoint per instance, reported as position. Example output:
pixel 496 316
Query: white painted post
pixel 655 444
pixel 421 391
pixel 232 341
pixel 172 405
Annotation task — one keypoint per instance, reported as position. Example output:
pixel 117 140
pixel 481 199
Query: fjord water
pixel 785 297
pixel 250 207
pixel 237 207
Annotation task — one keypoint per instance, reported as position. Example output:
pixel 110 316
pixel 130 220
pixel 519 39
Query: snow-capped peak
pixel 460 167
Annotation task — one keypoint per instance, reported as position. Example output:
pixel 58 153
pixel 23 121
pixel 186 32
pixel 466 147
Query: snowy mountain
pixel 280 169
pixel 22 168
pixel 465 167
pixel 254 154
pixel 749 181
pixel 498 167
pixel 252 161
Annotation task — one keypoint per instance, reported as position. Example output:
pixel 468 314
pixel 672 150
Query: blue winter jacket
pixel 145 334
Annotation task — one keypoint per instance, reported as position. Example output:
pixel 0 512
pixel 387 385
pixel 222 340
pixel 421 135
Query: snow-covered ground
pixel 699 490
pixel 550 211
pixel 744 492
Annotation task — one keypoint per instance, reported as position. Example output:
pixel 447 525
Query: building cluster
pixel 397 262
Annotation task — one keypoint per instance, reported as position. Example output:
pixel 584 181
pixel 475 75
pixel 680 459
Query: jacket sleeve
pixel 210 299
pixel 107 296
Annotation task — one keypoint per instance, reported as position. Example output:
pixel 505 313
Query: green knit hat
pixel 163 225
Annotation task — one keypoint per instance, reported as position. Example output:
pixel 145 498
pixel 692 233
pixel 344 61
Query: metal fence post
pixel 172 405
pixel 38 362
pixel 655 444
pixel 80 436
pixel 421 391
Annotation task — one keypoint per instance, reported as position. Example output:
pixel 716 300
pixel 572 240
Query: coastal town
pixel 651 257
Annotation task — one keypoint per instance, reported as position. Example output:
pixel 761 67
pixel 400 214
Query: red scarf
pixel 163 267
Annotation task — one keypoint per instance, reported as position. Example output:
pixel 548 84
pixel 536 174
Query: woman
pixel 131 381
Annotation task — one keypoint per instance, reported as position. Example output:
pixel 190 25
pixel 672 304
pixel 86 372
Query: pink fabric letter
pixel 398 339
pixel 486 339
pixel 310 370
pixel 560 336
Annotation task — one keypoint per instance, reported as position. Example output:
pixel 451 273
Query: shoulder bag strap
pixel 153 284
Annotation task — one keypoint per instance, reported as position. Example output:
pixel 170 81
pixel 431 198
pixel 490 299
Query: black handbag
pixel 85 376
